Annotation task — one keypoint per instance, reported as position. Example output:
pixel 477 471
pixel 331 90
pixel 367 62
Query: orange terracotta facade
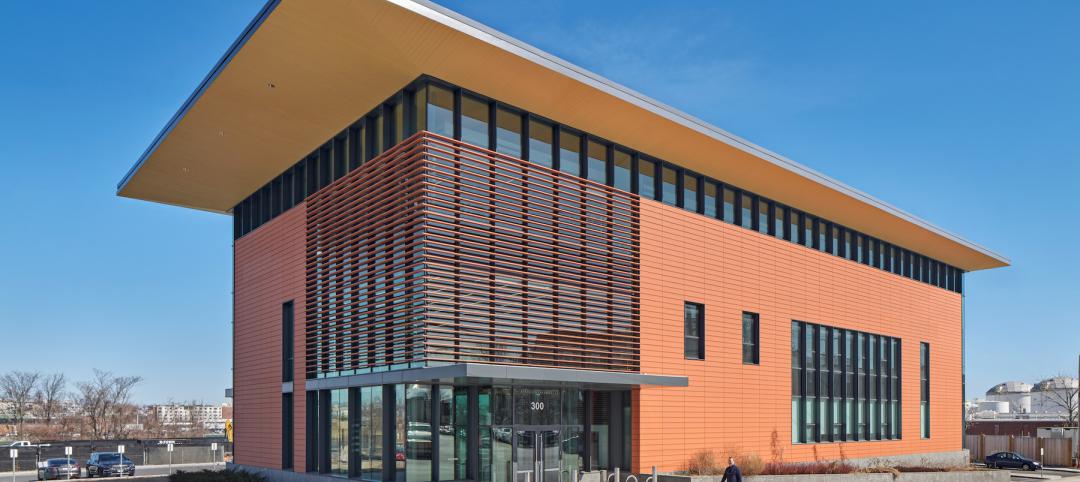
pixel 268 271
pixel 732 407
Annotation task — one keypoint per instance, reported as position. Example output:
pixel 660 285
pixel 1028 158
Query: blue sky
pixel 963 113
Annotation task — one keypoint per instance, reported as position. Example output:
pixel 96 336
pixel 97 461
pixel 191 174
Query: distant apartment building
pixel 209 417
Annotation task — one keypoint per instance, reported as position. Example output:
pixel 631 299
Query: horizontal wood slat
pixel 440 251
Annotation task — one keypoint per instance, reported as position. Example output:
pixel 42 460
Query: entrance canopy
pixel 475 373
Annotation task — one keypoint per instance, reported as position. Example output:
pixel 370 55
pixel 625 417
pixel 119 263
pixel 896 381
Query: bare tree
pixel 18 388
pixel 50 393
pixel 1064 397
pixel 105 402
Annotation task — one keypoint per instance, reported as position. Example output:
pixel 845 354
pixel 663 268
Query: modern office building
pixel 457 257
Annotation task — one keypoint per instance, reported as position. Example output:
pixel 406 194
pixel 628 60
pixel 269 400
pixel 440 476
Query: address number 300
pixel 536 405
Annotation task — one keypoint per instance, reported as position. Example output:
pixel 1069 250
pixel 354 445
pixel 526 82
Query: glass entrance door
pixel 538 454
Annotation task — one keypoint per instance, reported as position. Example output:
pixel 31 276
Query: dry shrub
pixel 807 468
pixel 750 464
pixel 704 462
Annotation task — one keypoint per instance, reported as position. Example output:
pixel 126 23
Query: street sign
pixel 120 448
pixel 67 451
pixel 14 453
pixel 213 446
pixel 169 447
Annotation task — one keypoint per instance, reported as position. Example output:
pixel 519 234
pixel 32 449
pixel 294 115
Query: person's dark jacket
pixel 732 474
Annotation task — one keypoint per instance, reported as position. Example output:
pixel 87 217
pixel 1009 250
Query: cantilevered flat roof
pixel 302 71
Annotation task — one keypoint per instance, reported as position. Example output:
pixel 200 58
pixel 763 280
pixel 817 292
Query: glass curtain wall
pixel 417 433
pixel 339 432
pixel 845 385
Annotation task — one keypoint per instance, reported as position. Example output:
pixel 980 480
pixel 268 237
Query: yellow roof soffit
pixel 302 71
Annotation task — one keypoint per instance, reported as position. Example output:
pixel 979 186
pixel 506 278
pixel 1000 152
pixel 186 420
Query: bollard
pixel 654 476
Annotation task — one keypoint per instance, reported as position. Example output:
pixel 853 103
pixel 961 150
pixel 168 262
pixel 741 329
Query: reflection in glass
pixel 440 111
pixel 540 139
pixel 763 216
pixel 339 432
pixel 729 205
pixel 508 132
pixel 371 431
pixel 710 199
pixel 474 121
pixel 690 191
pixel 646 179
pixel 597 162
pixel 746 208
pixel 670 178
pixel 569 152
pixel 399 432
pixel 418 433
pixel 622 170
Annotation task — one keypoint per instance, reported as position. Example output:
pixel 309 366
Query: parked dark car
pixel 59 469
pixel 1010 460
pixel 108 464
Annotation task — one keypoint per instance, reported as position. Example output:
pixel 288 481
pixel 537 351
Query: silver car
pixel 59 469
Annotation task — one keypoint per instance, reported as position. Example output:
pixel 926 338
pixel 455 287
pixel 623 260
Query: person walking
pixel 732 472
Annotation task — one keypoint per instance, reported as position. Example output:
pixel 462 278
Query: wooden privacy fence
pixel 1055 451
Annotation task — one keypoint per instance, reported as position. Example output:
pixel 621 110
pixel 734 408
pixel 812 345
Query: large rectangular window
pixel 694 331
pixel 845 385
pixel 750 338
pixel 924 389
pixel 287 341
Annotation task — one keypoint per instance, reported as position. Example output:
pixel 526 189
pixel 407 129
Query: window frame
pixel 699 339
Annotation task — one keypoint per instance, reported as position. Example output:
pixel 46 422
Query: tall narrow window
pixel 540 140
pixel 924 389
pixel 710 199
pixel 508 132
pixel 646 178
pixel 690 192
pixel 778 220
pixel 440 111
pixel 670 194
pixel 569 152
pixel 287 341
pixel 763 216
pixel 750 338
pixel 729 205
pixel 694 331
pixel 596 160
pixel 474 121
pixel 621 170
pixel 746 211
pixel 287 431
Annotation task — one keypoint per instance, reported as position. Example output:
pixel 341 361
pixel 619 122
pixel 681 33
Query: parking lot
pixel 140 471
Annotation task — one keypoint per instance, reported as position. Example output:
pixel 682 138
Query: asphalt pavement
pixel 141 471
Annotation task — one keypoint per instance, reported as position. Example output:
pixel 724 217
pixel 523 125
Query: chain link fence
pixel 142 452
